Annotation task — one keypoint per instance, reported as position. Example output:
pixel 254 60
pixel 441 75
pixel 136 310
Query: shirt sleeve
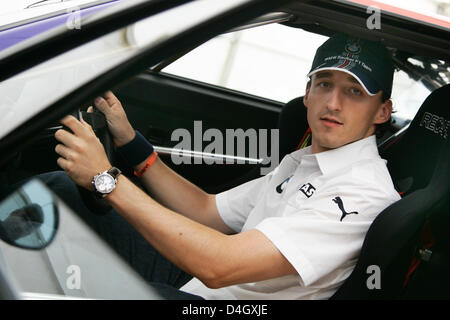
pixel 316 237
pixel 235 205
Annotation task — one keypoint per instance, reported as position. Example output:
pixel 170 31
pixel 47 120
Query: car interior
pixel 409 240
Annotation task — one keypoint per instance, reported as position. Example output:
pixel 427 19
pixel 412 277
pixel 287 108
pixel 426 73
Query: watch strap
pixel 114 172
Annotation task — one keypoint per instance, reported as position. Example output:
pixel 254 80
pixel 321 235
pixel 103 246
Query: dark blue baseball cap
pixel 368 61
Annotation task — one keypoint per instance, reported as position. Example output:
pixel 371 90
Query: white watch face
pixel 105 183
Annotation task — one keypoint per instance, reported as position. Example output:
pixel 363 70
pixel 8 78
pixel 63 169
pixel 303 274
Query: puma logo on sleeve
pixel 340 204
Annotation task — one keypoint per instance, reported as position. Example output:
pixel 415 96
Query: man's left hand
pixel 82 154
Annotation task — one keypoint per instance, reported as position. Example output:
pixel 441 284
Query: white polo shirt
pixel 316 209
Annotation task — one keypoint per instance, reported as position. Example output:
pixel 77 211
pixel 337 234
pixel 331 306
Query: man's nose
pixel 335 99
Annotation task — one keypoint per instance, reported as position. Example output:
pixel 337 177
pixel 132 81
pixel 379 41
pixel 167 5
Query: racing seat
pixel 416 227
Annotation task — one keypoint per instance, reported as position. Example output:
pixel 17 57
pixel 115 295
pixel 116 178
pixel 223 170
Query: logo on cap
pixel 353 47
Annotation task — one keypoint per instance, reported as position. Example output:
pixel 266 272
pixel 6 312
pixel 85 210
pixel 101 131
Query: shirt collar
pixel 334 159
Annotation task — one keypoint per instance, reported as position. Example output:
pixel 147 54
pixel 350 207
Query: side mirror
pixel 29 216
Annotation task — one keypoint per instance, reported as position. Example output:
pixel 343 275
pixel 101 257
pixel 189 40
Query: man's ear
pixel 384 112
pixel 306 96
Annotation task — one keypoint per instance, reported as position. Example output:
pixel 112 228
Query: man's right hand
pixel 118 124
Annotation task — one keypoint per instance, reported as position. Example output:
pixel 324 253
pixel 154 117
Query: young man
pixel 292 234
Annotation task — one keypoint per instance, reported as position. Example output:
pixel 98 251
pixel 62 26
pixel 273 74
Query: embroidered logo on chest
pixel 308 189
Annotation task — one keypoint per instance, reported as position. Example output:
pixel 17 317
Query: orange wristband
pixel 147 165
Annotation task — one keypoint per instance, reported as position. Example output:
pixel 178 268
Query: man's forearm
pixel 211 256
pixel 163 228
pixel 180 195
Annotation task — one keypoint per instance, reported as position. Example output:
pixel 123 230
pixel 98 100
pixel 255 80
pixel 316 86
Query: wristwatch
pixel 105 182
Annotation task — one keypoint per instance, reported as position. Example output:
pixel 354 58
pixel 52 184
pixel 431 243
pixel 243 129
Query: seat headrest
pixel 292 123
pixel 415 155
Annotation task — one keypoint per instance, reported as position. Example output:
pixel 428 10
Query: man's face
pixel 340 111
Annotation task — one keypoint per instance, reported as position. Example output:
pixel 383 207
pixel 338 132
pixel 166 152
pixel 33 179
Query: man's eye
pixel 324 84
pixel 355 91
